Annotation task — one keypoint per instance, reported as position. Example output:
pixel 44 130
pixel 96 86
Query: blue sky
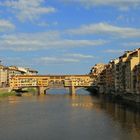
pixel 67 36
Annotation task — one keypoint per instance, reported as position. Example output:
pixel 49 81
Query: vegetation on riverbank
pixel 6 94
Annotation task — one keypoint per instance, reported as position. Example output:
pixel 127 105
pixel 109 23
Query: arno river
pixel 62 117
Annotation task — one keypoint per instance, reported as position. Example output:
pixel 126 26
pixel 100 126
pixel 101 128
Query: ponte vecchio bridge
pixel 44 82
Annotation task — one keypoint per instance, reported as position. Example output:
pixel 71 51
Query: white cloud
pixel 80 56
pixel 65 58
pixel 114 51
pixel 121 4
pixel 6 25
pixel 77 43
pixel 104 28
pixel 133 44
pixel 56 60
pixel 42 41
pixel 46 60
pixel 28 9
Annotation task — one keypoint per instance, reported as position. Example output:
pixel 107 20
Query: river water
pixel 63 117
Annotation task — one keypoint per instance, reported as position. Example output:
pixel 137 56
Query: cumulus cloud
pixel 6 25
pixel 28 9
pixel 105 28
pixel 42 41
pixel 121 4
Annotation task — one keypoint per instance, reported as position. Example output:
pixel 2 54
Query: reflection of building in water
pixel 127 118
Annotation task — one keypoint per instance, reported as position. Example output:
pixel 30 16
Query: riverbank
pixel 6 94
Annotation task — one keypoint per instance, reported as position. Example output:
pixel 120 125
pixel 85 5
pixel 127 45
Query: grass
pixel 6 94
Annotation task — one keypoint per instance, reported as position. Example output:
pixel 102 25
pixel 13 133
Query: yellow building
pixel 14 70
pixel 110 77
pixel 116 74
pixel 123 72
pixel 137 79
pixel 122 75
pixel 132 61
pixel 126 72
pixel 98 72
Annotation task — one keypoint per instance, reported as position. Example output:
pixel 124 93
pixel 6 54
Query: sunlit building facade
pixel 121 75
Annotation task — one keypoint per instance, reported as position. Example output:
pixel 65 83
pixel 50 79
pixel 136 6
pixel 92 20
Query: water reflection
pixel 121 113
pixel 85 102
pixel 128 119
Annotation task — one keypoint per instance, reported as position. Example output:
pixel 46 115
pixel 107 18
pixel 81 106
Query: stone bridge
pixel 44 82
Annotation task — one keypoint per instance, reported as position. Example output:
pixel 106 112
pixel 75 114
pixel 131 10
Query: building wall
pixel 137 74
pixel 116 75
pixel 99 76
pixel 121 75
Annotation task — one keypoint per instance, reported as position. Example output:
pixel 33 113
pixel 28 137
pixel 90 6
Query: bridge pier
pixel 41 90
pixel 72 89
